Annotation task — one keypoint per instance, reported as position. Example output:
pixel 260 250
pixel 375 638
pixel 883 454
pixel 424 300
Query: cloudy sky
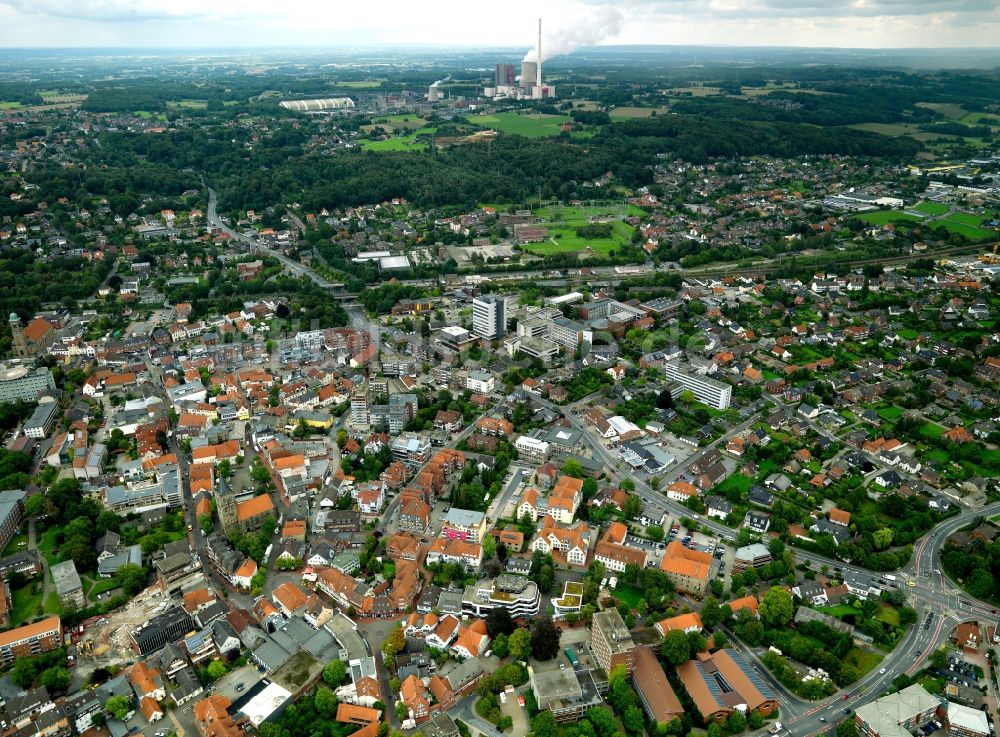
pixel 328 23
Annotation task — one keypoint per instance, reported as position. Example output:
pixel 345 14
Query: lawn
pixel 93 587
pixel 533 125
pixel 407 122
pixel 908 334
pixel 25 604
pixel 932 208
pixel 884 217
pixel 737 481
pixel 890 413
pixel 840 610
pixel 629 594
pixel 863 660
pixel 888 614
pixel 52 605
pixel 47 545
pixel 930 430
pixel 16 544
pixel 10 105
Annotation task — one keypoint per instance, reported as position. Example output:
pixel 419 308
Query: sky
pixel 568 23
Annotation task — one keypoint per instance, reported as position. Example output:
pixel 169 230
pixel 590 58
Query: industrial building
pixel 327 104
pixel 529 85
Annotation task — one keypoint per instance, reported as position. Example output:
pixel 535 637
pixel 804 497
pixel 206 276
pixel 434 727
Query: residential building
pixel 709 391
pixel 41 421
pixel 11 514
pixel 965 722
pixel 611 641
pixel 754 555
pixel 532 450
pixel 67 584
pixel 30 640
pixel 464 524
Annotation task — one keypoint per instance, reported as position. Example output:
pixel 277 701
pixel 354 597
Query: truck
pixel 888 577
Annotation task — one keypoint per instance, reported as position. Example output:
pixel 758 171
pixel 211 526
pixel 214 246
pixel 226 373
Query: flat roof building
pixel 611 641
pixel 67 583
pixel 898 714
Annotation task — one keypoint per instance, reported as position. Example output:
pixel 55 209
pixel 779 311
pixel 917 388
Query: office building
pixel 654 690
pixel 25 384
pixel 611 641
pixel 898 714
pixel 41 420
pixel 509 591
pixel 565 692
pixel 724 682
pixel 67 584
pixel 161 629
pixel 489 316
pixel 963 721
pixel 709 391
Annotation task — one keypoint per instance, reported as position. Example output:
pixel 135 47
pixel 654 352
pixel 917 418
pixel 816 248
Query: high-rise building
pixel 506 75
pixel 711 392
pixel 611 641
pixel 489 316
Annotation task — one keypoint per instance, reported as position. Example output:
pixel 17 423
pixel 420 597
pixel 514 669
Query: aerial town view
pixel 547 378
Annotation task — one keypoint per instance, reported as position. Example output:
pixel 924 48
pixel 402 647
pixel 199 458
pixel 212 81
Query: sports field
pixel 534 125
pixel 932 208
pixel 563 239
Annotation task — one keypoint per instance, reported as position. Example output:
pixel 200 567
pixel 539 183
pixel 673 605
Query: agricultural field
pixel 361 84
pixel 535 125
pixel 10 105
pixel 582 214
pixel 189 104
pixel 947 109
pixel 932 208
pixel 967 225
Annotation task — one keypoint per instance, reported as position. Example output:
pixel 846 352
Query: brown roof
pixel 651 681
pixel 30 630
pixel 253 507
pixel 37 328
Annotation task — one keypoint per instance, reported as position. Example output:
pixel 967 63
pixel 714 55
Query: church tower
pixel 17 333
pixel 225 502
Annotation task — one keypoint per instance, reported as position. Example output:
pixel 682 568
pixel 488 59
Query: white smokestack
pixel 538 70
pixel 584 29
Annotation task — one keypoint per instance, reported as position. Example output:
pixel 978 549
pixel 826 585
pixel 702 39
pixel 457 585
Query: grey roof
pixel 132 555
pixel 886 715
pixel 463 517
pixel 65 578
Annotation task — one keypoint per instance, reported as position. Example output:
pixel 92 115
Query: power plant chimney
pixel 538 70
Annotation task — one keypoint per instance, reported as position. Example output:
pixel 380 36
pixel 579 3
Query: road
pixel 294 267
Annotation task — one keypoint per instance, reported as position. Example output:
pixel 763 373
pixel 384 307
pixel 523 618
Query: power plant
pixel 529 84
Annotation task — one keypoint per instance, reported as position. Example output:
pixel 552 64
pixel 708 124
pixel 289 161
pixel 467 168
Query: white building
pixel 709 391
pixel 489 316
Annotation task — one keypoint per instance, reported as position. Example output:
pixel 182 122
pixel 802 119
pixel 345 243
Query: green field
pixel 888 614
pixel 189 104
pixel 361 84
pixel 932 208
pixel 564 239
pixel 966 225
pixel 10 105
pixel 581 214
pixel 629 594
pixel 863 660
pixel 402 143
pixel 534 125
pixel 402 122
pixel 884 217
pixel 930 430
pixel 628 113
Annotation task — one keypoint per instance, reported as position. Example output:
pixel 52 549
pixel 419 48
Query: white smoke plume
pixel 584 30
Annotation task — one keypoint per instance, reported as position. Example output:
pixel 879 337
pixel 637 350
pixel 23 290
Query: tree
pixel 489 547
pixel 401 711
pixel 633 506
pixel 632 720
pixel 334 673
pixel 394 643
pixel 719 639
pixel 55 679
pixel 544 724
pixel 776 607
pixel 602 720
pixel 696 643
pixel 736 722
pixel 519 644
pixel 714 730
pixel 326 702
pixel 205 523
pixel 545 639
pixel 675 647
pixel 34 505
pixel 573 467
pixel 500 647
pixel 711 613
pixel 755 720
pixel 118 706
pixel 846 728
pixel 939 658
pixel 216 670
pixel 132 578
pixel 498 621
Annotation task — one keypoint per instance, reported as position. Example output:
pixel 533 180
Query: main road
pixel 295 267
